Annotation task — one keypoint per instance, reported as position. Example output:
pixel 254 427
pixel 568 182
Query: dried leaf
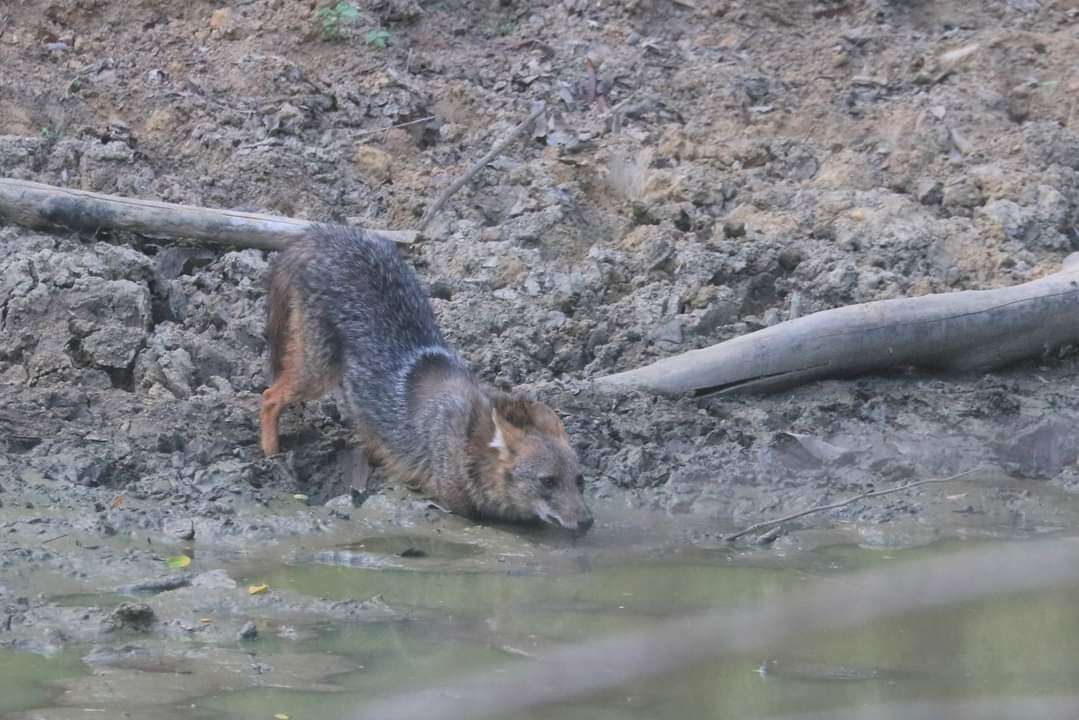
pixel 117 502
pixel 256 589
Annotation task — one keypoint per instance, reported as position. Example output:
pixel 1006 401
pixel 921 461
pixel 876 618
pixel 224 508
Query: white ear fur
pixel 498 441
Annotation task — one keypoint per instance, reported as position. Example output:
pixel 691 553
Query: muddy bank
pixel 725 168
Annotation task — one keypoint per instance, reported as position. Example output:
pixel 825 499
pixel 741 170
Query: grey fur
pixel 362 318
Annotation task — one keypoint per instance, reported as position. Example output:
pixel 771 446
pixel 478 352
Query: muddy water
pixel 469 620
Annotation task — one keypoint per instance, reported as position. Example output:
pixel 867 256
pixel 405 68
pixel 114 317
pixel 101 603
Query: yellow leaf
pixel 256 589
pixel 205 621
pixel 300 496
pixel 280 716
pixel 178 561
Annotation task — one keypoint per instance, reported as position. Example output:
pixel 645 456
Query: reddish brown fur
pixel 415 407
pixel 293 380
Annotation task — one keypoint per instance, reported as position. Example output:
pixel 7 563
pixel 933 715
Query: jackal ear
pixel 513 410
pixel 506 436
pixel 525 414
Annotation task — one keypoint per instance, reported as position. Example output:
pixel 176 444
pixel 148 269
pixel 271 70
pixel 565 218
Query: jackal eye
pixel 549 481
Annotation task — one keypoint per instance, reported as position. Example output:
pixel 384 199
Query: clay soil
pixel 705 168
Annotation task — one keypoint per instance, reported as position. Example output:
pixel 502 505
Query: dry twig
pixel 375 131
pixel 497 148
pixel 869 494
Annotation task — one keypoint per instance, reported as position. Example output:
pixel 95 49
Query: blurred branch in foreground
pixel 1064 707
pixel 580 670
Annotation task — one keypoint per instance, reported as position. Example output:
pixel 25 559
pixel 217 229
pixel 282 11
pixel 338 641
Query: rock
pixel 1013 220
pixel 1047 143
pixel 928 191
pixel 178 372
pixel 248 632
pixel 669 333
pixel 722 311
pixel 112 346
pixel 214 580
pixel 790 258
pixel 153 586
pixel 659 255
pixel 79 468
pixel 130 617
pixel 373 164
pixel 962 193
pixel 180 528
pixel 288 120
pixel 222 23
pixel 1041 450
pixel 113 151
pixel 734 229
pixel 1025 6
pixel 756 88
pixel 684 487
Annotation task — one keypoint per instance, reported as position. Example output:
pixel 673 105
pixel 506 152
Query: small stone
pixel 451 132
pixel 670 332
pixel 248 632
pixel 373 163
pixel 441 290
pixel 734 229
pixel 136 617
pixel 1024 6
pixel 1018 105
pixel 756 88
pixel 1014 221
pixel 154 586
pixel 214 580
pixel 659 255
pixel 790 258
pixel 723 311
pixel 182 529
pixel 223 23
pixel 963 193
pixel 928 191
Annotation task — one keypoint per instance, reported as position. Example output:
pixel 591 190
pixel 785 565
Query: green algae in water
pixel 1009 647
pixel 466 622
pixel 28 680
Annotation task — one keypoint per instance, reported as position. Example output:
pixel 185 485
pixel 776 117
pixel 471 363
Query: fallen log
pixel 972 330
pixel 41 206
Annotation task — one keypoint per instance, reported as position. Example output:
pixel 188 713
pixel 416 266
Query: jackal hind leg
pixel 302 375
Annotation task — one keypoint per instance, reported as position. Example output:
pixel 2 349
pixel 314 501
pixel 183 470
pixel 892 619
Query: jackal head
pixel 530 470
